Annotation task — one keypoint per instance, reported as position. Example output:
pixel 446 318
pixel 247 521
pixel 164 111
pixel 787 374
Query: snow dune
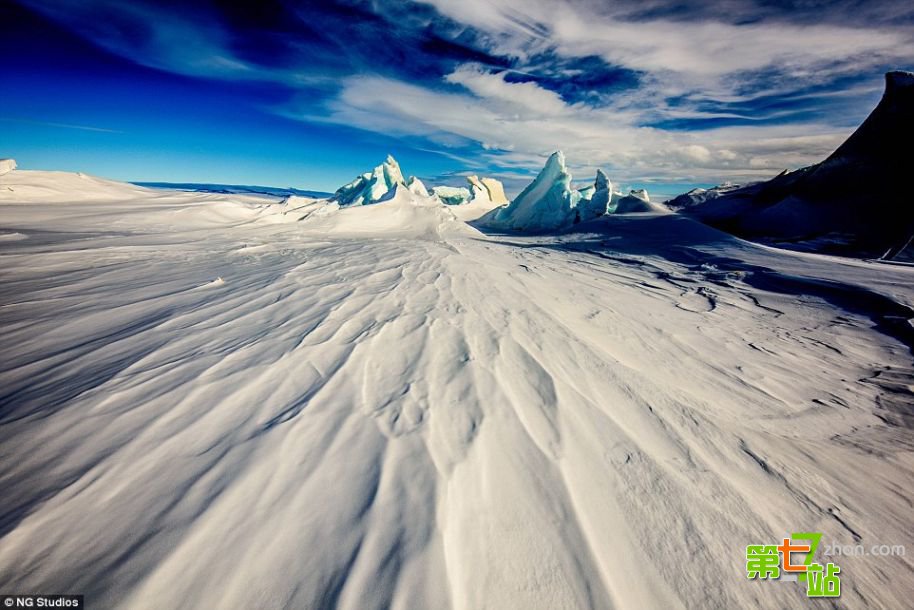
pixel 208 404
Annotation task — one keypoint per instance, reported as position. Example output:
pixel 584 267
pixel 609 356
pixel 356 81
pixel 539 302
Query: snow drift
pixel 7 165
pixel 203 405
pixel 855 202
pixel 403 214
pixel 637 201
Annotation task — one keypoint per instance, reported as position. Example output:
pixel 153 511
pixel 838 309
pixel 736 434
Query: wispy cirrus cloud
pixel 60 125
pixel 653 90
pixel 591 137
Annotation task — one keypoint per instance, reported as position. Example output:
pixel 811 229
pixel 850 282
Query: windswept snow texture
pixel 371 187
pixel 7 165
pixel 207 403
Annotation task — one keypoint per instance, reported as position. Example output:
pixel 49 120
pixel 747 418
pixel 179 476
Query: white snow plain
pixel 223 401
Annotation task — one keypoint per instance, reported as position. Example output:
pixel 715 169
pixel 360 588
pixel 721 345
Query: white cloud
pixel 695 52
pixel 695 62
pixel 515 124
pixel 591 137
pixel 527 97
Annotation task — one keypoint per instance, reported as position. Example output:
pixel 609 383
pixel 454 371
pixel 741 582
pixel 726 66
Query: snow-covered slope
pixel 699 196
pixel 7 165
pixel 637 201
pixel 855 202
pixel 207 403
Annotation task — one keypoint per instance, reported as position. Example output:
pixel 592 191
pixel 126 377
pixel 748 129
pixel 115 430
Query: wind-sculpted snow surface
pixel 7 165
pixel 206 402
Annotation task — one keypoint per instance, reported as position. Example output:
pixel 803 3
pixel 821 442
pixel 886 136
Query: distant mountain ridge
pixel 852 203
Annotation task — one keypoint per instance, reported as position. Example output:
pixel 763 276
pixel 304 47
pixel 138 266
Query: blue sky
pixel 308 94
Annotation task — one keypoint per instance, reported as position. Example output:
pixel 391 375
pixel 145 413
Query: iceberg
pixel 417 187
pixel 547 203
pixel 480 190
pixel 640 194
pixel 487 189
pixel 587 192
pixel 452 195
pixel 371 187
pixel 485 194
pixel 595 199
pixel 7 165
pixel 495 189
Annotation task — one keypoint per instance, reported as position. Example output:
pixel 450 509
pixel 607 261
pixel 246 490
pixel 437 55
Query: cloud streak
pixel 60 125
pixel 653 91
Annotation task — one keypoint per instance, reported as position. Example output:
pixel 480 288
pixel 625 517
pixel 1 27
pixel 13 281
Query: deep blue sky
pixel 308 94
